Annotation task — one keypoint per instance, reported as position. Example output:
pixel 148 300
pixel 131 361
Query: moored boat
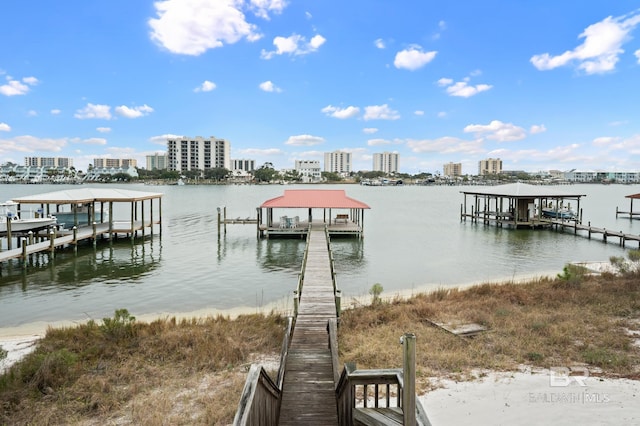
pixel 9 212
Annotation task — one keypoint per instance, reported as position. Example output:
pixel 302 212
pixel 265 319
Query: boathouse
pixel 84 206
pixel 295 212
pixel 631 213
pixel 521 205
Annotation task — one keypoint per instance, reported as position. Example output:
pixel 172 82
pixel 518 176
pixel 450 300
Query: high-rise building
pixel 489 166
pixel 48 161
pixel 337 162
pixel 386 162
pixel 157 161
pixel 186 154
pixel 309 170
pixel 102 163
pixel 244 165
pixel 452 169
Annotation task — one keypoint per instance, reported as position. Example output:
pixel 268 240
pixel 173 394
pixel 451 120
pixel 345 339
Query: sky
pixel 544 85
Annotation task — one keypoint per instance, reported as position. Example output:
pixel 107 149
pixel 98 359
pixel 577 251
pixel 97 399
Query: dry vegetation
pixel 122 372
pixel 568 321
pixel 192 372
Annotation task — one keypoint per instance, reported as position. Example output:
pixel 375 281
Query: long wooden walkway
pixel 82 233
pixel 308 392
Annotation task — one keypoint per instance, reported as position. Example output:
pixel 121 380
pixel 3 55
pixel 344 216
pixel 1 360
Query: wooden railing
pixel 390 391
pixel 261 397
pixel 260 401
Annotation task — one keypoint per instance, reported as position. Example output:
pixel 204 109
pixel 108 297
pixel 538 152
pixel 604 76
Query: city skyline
pixel 549 85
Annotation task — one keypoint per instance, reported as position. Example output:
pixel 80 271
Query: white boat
pixel 562 213
pixel 9 212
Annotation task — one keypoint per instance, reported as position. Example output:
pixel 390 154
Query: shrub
pixel 375 292
pixel 120 326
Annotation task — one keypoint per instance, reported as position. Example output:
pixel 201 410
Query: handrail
pixel 284 352
pixel 261 397
pixel 260 400
pixel 357 389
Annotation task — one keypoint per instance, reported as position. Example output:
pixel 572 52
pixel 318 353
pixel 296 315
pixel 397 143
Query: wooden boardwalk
pixel 83 233
pixel 308 392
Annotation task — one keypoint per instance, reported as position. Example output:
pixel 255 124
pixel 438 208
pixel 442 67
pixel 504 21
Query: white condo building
pixel 489 166
pixel 452 169
pixel 309 170
pixel 337 162
pixel 386 162
pixel 114 162
pixel 186 154
pixel 157 161
pixel 48 161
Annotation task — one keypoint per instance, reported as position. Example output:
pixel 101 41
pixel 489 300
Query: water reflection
pixel 115 262
pixel 283 254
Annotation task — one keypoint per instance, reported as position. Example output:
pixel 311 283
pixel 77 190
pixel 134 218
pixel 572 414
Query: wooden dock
pixel 70 237
pixel 592 230
pixel 308 392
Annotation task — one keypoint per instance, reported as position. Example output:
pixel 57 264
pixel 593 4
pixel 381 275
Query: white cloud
pixel 369 130
pixel 93 141
pixel 134 112
pixel 380 112
pixel 446 145
pixel 419 112
pixel 379 43
pixel 498 131
pixel 103 129
pixel 637 53
pixel 4 127
pixel 304 140
pixel 463 89
pixel 378 142
pixel 268 86
pixel 341 113
pixel 445 82
pixel 442 114
pixel 30 144
pixel 192 27
pixel 535 129
pixel 206 86
pixel 413 58
pixel 605 141
pixel 260 152
pixel 162 139
pixel 294 45
pixel 55 111
pixel 600 50
pixel 15 87
pixel 94 111
pixel 32 113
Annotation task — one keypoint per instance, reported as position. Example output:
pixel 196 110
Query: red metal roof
pixel 633 196
pixel 314 198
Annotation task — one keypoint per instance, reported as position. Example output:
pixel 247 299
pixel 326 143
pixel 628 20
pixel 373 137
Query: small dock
pixel 57 239
pixel 631 214
pixel 592 230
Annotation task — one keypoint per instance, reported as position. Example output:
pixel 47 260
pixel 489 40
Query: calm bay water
pixel 413 240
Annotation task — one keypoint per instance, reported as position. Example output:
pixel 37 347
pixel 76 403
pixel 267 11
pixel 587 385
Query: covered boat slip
pixel 521 205
pixel 298 210
pixel 86 206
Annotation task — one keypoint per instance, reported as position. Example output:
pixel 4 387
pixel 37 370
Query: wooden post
pixel 9 245
pixel 224 216
pixel 30 233
pixel 24 252
pixel 219 218
pixel 408 341
pixel 338 302
pixel 295 304
pixel 52 242
pixel 95 235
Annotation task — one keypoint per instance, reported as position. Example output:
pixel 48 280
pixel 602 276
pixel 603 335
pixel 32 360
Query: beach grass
pixel 192 371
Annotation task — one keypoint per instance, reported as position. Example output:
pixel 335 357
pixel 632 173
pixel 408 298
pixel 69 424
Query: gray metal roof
pixel 88 195
pixel 524 190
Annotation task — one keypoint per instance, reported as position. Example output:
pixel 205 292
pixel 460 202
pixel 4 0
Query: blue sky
pixel 542 85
